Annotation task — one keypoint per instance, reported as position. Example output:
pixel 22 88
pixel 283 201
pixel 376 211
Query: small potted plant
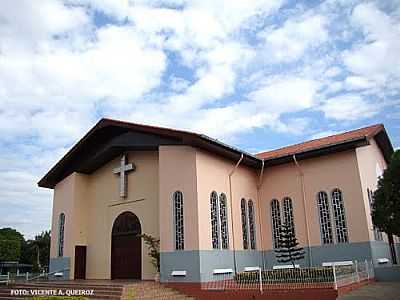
pixel 153 246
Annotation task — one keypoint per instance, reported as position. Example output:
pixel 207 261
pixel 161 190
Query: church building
pixel 215 208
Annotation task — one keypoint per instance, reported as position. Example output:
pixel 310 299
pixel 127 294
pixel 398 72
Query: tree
pixel 37 251
pixel 288 250
pixel 153 245
pixel 386 205
pixel 11 242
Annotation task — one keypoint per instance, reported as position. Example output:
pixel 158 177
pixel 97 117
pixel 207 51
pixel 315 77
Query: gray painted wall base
pixel 188 261
pixel 57 264
pixel 200 265
pixel 391 273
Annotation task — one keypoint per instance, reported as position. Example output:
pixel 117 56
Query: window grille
pixel 276 221
pixel 324 218
pixel 61 225
pixel 243 206
pixel 178 218
pixel 339 216
pixel 214 220
pixel 252 226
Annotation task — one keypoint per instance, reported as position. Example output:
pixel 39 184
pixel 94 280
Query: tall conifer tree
pixel 289 250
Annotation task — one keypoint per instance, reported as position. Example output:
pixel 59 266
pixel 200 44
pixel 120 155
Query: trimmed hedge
pixel 298 275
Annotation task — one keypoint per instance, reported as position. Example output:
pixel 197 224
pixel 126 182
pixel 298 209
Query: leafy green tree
pixel 37 251
pixel 386 206
pixel 153 246
pixel 11 242
pixel 289 250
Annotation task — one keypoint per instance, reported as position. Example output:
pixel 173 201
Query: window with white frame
pixel 377 234
pixel 223 212
pixel 243 207
pixel 324 218
pixel 276 221
pixel 178 220
pixel 214 220
pixel 252 227
pixel 61 225
pixel 339 216
pixel 288 213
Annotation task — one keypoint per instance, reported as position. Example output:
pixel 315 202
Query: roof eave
pixel 382 140
pixel 318 151
pixel 190 138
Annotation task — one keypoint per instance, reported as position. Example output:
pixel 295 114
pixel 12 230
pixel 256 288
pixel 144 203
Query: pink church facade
pixel 212 206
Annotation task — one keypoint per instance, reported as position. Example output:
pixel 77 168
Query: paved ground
pixel 375 291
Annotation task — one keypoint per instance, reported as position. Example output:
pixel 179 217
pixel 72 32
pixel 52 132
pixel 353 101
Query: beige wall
pixel 70 199
pixel 177 172
pixel 95 204
pixel 63 201
pixel 370 160
pixel 320 174
pixel 212 175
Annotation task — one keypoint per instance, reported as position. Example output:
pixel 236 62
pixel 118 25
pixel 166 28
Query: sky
pixel 257 74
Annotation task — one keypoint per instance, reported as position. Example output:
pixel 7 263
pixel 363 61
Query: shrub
pixel 299 275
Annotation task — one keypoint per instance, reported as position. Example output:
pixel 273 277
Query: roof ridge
pixel 106 119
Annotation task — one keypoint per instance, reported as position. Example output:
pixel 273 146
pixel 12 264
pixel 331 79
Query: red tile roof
pixel 368 132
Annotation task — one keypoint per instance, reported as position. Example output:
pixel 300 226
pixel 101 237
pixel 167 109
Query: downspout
pixel 230 196
pixel 259 184
pixel 303 191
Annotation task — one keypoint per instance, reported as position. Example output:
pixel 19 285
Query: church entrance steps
pixel 152 290
pixel 102 289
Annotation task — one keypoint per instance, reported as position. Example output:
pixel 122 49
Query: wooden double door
pixel 126 247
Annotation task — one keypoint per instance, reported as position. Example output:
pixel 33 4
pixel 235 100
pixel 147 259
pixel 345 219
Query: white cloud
pixel 42 22
pixel 199 67
pixel 333 72
pixel 296 126
pixel 322 134
pixel 287 94
pixel 375 58
pixel 349 107
pixel 116 8
pixel 44 87
pixel 226 122
pixel 357 83
pixel 290 42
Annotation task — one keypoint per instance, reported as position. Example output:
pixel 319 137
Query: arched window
pixel 214 220
pixel 224 221
pixel 324 218
pixel 243 207
pixel 339 216
pixel 288 212
pixel 276 221
pixel 252 226
pixel 61 224
pixel 178 221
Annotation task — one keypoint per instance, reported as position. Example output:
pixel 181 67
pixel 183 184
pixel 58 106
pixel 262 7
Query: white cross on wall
pixel 123 178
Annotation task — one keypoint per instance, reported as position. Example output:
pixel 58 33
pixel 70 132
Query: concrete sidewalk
pixel 375 291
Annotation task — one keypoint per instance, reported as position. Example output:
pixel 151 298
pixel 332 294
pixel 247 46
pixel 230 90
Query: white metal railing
pixel 360 271
pixel 13 277
pixel 5 279
pixel 299 278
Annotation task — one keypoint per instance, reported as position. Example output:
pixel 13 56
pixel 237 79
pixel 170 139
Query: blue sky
pixel 257 74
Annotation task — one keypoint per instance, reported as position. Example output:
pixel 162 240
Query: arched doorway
pixel 126 247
